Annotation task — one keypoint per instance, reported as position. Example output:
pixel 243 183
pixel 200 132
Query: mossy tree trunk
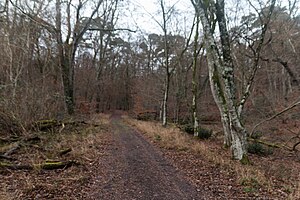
pixel 221 73
pixel 194 83
pixel 166 63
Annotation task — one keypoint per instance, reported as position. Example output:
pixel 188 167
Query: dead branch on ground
pixel 47 165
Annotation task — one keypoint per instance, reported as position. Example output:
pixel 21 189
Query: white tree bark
pixel 164 111
pixel 221 73
pixel 194 84
pixel 166 57
pixel 223 87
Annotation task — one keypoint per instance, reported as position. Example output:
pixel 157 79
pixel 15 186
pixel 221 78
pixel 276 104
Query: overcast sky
pixel 146 13
pixel 143 15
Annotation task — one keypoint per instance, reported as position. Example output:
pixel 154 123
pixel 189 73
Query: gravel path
pixel 138 170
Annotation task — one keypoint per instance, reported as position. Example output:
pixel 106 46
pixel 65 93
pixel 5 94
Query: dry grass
pixel 5 195
pixel 83 142
pixel 86 142
pixel 100 118
pixel 172 138
pixel 296 193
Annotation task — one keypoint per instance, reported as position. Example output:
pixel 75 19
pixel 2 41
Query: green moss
pixel 157 137
pixel 245 160
pixel 4 164
pixel 221 94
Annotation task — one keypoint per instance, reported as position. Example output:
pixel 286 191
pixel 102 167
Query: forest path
pixel 138 170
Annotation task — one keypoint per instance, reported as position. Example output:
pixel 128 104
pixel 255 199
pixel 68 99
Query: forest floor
pixel 122 158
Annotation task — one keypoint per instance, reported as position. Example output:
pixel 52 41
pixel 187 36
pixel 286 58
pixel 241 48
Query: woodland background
pixel 227 72
pixel 64 57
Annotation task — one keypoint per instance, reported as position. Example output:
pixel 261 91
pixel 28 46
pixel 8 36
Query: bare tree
pixel 164 27
pixel 194 81
pixel 67 49
pixel 221 72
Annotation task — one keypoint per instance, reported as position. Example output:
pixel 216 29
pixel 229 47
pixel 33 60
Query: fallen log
pixel 48 165
pixel 52 123
pixel 45 124
pixel 265 143
pixel 269 144
pixel 9 149
pixel 4 165
pixel 65 151
pixel 3 157
pixel 13 147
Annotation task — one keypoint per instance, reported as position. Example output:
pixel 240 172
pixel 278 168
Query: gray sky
pixel 146 13
pixel 143 15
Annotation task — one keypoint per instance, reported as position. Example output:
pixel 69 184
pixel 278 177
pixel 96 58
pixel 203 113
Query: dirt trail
pixel 137 170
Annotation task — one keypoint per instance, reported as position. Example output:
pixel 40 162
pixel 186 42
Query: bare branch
pixel 4 7
pixel 112 30
pixel 36 19
pixel 293 105
pixel 257 53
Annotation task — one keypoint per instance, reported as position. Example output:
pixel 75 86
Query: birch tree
pixel 166 17
pixel 194 83
pixel 221 72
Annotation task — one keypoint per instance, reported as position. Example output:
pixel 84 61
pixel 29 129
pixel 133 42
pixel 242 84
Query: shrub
pixel 250 185
pixel 147 116
pixel 189 128
pixel 257 135
pixel 259 149
pixel 204 133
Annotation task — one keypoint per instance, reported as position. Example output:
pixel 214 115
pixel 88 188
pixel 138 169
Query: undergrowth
pixel 251 177
pixel 84 142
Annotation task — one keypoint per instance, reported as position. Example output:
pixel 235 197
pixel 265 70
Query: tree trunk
pixel 67 49
pixel 194 84
pixel 237 130
pixel 65 61
pixel 68 84
pixel 166 63
pixel 239 141
pixel 98 88
pixel 223 87
pixel 165 101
